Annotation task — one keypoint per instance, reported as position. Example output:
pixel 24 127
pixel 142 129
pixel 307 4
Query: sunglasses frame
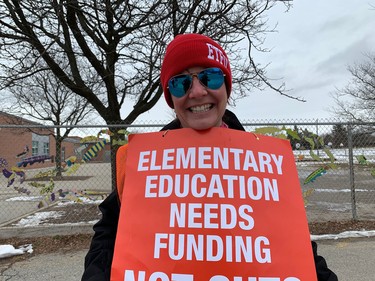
pixel 192 75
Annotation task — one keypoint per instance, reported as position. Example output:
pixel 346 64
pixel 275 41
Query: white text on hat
pixel 214 53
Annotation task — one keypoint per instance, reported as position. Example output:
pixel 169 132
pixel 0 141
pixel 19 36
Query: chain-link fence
pixel 336 167
pixel 335 163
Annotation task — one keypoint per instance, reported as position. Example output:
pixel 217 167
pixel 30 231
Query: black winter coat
pixel 98 260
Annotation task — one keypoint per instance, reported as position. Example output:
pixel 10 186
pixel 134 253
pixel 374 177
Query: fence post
pixel 351 172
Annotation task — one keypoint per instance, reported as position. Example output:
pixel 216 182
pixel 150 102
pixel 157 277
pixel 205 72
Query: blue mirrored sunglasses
pixel 212 78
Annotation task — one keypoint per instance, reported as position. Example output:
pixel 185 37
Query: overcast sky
pixel 315 43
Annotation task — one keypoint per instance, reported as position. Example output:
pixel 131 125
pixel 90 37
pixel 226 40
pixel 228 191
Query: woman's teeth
pixel 200 108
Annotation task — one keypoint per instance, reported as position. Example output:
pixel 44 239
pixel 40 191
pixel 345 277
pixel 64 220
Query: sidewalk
pixel 351 259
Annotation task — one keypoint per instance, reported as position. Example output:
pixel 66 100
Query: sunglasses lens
pixel 179 85
pixel 212 78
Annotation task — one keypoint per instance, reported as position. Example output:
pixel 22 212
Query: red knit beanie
pixel 193 50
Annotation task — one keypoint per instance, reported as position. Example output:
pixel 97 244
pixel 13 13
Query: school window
pixel 45 148
pixel 34 149
pixel 40 145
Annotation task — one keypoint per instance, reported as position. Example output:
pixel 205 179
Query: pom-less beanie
pixel 192 50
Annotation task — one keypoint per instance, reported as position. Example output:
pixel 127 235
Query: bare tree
pixel 110 52
pixel 356 101
pixel 44 98
pixel 122 44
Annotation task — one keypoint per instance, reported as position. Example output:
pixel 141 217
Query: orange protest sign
pixel 215 205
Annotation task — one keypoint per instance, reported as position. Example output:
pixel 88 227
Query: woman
pixel 197 82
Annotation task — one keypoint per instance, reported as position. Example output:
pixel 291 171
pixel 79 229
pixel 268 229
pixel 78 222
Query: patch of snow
pixel 25 198
pixel 345 234
pixel 73 223
pixel 9 250
pixel 83 200
pixel 37 218
pixel 341 190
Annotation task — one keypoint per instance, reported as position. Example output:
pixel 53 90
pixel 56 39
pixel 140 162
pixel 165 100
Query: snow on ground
pixel 341 190
pixel 41 217
pixel 345 234
pixel 24 198
pixel 38 218
pixel 38 198
pixel 9 250
pixel 83 200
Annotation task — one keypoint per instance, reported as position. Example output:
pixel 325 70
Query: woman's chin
pixel 203 124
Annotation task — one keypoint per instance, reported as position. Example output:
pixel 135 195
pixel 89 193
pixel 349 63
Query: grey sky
pixel 315 43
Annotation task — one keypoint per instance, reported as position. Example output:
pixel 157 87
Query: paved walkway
pixel 351 259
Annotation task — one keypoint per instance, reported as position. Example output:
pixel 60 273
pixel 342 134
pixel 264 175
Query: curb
pixel 45 230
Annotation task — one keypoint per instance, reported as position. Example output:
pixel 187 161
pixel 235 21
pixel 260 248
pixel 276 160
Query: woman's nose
pixel 197 90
